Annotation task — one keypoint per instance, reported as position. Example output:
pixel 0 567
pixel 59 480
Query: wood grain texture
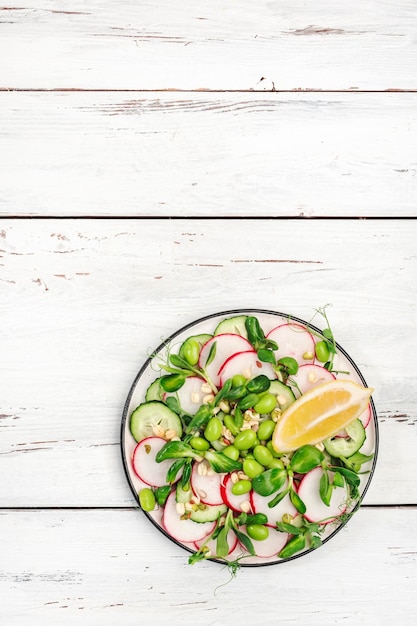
pixel 82 302
pixel 195 45
pixel 71 154
pixel 85 567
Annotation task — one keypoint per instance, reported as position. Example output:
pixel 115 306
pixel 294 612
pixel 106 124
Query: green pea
pixel 252 468
pixel 245 440
pixel 272 450
pixel 266 404
pixel 289 364
pixel 213 429
pixel 275 462
pixel 322 351
pixel 231 452
pixel 190 350
pixel 229 422
pixel 266 429
pixel 147 499
pixel 199 443
pixel 262 455
pixel 241 487
pixel 258 532
pixel 238 380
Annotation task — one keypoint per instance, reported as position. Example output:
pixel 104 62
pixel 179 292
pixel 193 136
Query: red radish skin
pixel 207 487
pixel 316 510
pixel 293 340
pixel 183 530
pixel 226 345
pixel 244 363
pixel 309 376
pixel 232 501
pixel 144 464
pixel 274 514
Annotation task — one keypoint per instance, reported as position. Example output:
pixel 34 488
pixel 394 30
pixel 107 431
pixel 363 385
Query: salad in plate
pixel 249 437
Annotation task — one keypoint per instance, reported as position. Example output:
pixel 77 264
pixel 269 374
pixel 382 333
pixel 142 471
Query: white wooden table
pixel 161 161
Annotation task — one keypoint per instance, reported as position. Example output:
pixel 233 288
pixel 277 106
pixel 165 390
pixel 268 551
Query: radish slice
pixel 232 501
pixel 246 363
pixel 190 396
pixel 184 530
pixel 145 466
pixel 317 511
pixel 309 376
pixel 226 345
pixel 207 487
pixel 274 514
pixel 212 543
pixel 366 416
pixel 293 340
pixel 270 546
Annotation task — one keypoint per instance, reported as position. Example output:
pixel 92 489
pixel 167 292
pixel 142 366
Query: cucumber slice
pixel 347 446
pixel 207 512
pixel 232 325
pixel 285 394
pixel 154 391
pixel 150 414
pixel 182 495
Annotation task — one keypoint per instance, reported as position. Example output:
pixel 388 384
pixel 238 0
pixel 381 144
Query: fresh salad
pixel 207 438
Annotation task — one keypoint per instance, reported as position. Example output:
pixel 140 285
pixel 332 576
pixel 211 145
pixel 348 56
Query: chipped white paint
pixel 217 45
pixel 208 154
pixel 85 567
pixel 82 301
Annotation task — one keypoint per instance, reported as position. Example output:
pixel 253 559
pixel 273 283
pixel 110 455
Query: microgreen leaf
pixel 269 481
pixel 221 463
pixel 172 382
pixel 266 356
pixel 297 543
pixel 211 354
pixel 200 418
pixel 297 502
pixel 245 541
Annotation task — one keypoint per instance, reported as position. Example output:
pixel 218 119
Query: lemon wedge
pixel 320 413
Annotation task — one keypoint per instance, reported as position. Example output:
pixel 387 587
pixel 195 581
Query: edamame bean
pixel 257 532
pixel 266 429
pixel 147 499
pixel 199 443
pixel 262 455
pixel 275 462
pixel 213 429
pixel 238 380
pixel 241 487
pixel 245 440
pixel 322 351
pixel 266 404
pixel 231 452
pixel 272 450
pixel 252 468
pixel 230 424
pixel 191 351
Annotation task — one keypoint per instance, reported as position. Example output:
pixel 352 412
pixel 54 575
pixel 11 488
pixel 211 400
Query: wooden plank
pixel 82 303
pixel 71 154
pixel 198 45
pixel 113 566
